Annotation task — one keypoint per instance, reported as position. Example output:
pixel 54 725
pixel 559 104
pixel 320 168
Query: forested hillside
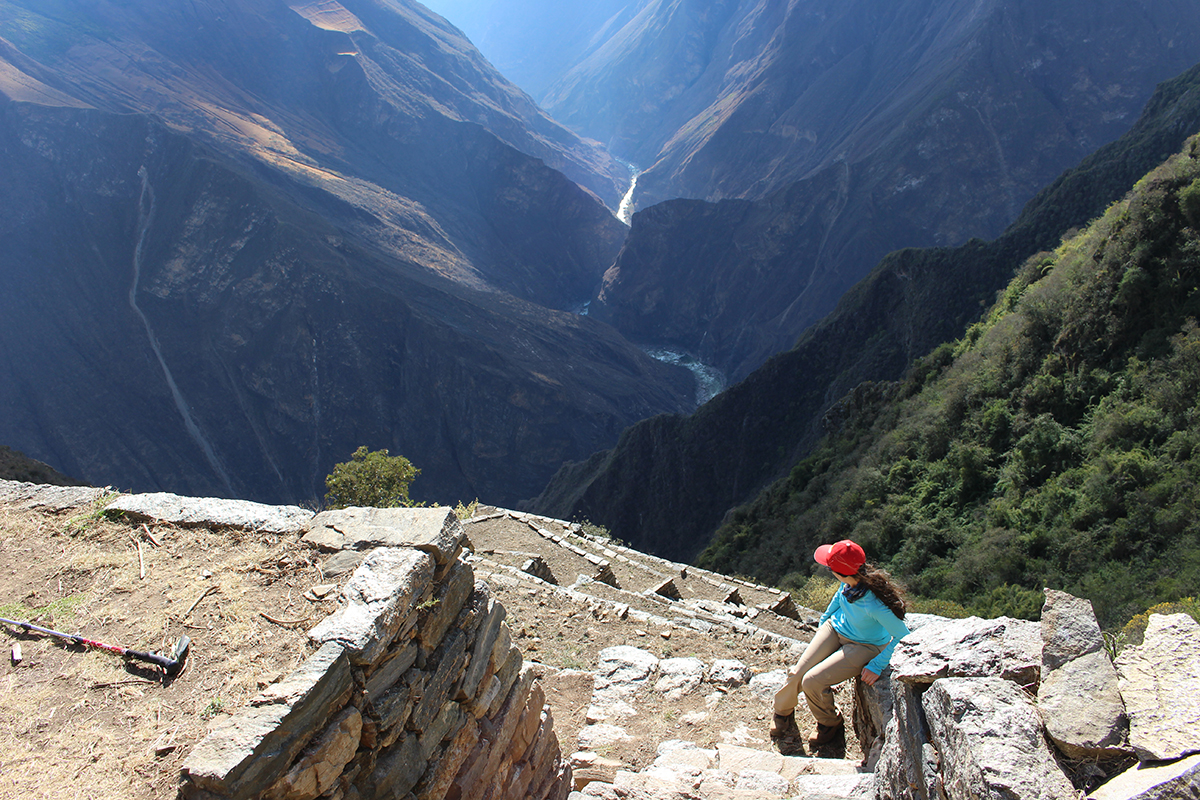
pixel 1055 444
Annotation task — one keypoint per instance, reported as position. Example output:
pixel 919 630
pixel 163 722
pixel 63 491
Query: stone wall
pixel 414 691
pixel 1008 708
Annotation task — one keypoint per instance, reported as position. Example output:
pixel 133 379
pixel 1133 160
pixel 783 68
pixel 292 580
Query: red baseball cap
pixel 844 557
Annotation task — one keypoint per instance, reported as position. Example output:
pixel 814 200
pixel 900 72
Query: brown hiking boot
pixel 824 734
pixel 784 727
pixel 786 735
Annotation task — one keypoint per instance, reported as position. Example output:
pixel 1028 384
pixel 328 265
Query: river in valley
pixel 710 381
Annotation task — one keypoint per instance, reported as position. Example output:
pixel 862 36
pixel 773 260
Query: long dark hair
pixel 890 593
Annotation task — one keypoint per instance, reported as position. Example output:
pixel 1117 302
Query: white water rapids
pixel 625 210
pixel 145 219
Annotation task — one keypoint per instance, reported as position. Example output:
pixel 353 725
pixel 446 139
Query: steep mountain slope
pixel 16 466
pixel 286 81
pixel 1054 445
pixel 671 479
pixel 242 239
pixel 741 97
pixel 856 129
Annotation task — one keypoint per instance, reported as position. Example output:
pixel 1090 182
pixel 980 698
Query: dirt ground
pixel 565 637
pixel 86 723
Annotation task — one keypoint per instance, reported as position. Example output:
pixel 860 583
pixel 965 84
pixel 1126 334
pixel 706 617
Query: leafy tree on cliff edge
pixel 372 479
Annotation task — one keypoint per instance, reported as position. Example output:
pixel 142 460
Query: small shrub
pixel 372 479
pixel 816 593
pixel 80 523
pixel 214 707
pixel 589 528
pixel 465 512
pixel 940 608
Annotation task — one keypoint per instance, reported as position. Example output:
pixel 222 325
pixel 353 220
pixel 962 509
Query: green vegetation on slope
pixel 1056 444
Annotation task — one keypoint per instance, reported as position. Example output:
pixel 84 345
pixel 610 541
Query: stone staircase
pixel 707 719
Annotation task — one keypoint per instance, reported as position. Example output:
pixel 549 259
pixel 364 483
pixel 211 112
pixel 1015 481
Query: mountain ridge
pixel 202 297
pixel 1049 445
pixel 754 432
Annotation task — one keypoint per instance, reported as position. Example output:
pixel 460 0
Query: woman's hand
pixel 869 677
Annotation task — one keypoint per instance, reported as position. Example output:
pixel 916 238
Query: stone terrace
pixel 644 725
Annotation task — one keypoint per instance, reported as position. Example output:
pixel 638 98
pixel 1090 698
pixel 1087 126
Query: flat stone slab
pixel 1160 682
pixel 834 787
pixel 379 597
pixel 53 498
pixel 435 530
pixel 212 512
pixel 1176 779
pixel 681 753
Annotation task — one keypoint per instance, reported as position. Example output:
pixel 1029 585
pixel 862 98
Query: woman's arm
pixel 898 630
pixel 834 602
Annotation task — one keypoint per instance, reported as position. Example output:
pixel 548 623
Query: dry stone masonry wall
pixel 415 689
pixel 1007 708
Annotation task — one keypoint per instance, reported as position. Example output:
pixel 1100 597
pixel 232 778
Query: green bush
pixel 372 479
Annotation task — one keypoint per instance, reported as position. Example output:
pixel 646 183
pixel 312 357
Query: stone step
pixel 683 769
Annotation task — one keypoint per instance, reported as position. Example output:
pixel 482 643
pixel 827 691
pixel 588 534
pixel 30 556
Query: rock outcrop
pixel 966 714
pixel 1078 697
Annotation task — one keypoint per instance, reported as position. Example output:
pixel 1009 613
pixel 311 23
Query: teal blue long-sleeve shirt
pixel 868 621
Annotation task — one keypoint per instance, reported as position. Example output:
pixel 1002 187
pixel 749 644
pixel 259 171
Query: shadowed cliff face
pixel 326 236
pixel 856 131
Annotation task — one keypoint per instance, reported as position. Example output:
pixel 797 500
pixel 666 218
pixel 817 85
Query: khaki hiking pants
pixel 829 659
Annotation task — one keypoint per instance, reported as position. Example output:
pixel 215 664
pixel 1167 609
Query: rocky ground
pixel 656 693
pixel 648 688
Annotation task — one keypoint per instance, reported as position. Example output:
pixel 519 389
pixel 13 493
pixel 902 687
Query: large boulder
pixel 873 704
pixel 1078 698
pixel 908 766
pixel 972 647
pixel 989 736
pixel 1160 681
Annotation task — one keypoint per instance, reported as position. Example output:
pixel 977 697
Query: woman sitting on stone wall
pixel 857 634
